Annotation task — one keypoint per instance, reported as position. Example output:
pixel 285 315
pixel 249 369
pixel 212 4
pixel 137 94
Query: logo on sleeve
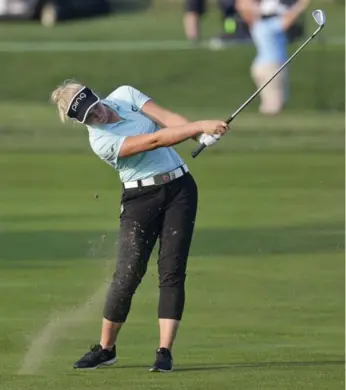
pixel 134 108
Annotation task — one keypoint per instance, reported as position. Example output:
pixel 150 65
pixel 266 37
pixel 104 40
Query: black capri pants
pixel 166 212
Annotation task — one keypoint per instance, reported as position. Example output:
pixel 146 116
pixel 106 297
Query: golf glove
pixel 208 139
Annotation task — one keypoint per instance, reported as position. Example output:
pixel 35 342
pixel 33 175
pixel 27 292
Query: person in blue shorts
pixel 135 136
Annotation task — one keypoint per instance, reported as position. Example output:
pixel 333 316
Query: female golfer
pixel 133 134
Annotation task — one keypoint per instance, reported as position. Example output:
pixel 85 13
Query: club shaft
pixel 252 97
pixel 200 148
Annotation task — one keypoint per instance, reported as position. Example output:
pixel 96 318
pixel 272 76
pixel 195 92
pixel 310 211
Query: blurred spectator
pixel 269 21
pixel 50 12
pixel 233 27
pixel 194 9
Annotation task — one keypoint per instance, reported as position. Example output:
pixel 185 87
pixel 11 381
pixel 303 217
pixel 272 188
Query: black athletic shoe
pixel 163 362
pixel 96 357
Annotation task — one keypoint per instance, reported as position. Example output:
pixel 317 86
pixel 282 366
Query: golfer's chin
pixel 103 120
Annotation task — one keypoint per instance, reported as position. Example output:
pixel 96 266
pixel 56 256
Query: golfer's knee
pixel 173 279
pixel 125 284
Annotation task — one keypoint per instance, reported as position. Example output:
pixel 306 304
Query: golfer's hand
pixel 208 139
pixel 213 127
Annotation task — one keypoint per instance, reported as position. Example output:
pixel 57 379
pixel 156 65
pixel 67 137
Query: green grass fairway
pixel 265 287
pixel 161 22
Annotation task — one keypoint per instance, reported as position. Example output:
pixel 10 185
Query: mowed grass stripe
pixel 125 46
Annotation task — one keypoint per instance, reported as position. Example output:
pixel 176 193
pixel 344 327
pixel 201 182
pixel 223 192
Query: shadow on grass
pixel 257 241
pixel 231 366
pixel 211 367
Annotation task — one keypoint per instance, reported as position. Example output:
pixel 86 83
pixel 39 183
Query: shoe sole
pixel 160 370
pixel 104 364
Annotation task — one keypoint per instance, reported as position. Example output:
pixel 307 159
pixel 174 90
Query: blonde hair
pixel 63 95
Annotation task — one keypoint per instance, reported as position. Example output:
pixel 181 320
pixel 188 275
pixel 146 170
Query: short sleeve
pixel 107 147
pixel 130 95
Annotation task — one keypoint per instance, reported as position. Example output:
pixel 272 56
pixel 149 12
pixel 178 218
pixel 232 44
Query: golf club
pixel 320 19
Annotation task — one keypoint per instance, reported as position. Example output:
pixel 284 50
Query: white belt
pixel 158 179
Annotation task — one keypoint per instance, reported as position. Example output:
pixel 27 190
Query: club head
pixel 320 17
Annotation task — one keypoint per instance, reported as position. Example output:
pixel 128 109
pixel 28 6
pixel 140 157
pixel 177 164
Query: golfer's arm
pixel 162 116
pixel 162 138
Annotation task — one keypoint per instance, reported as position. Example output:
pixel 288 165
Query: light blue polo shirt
pixel 106 140
pixel 270 40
